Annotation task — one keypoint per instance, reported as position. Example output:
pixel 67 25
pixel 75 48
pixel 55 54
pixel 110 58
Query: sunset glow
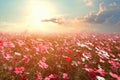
pixel 59 39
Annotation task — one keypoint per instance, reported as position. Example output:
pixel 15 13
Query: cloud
pixel 113 4
pixel 60 20
pixel 67 21
pixel 106 18
pixel 69 24
pixel 88 2
pixel 109 14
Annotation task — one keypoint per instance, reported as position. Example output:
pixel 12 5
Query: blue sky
pixel 98 15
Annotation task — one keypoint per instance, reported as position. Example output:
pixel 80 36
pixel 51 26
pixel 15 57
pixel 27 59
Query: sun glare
pixel 40 10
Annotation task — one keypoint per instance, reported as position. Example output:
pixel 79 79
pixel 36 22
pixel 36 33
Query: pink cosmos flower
pixel 26 59
pixel 43 59
pixel 89 55
pixel 27 49
pixel 119 55
pixel 7 56
pixel 17 53
pixel 112 55
pixel 102 61
pixel 114 64
pixel 115 76
pixel 53 76
pixel 21 43
pixel 10 68
pixel 65 76
pixel 43 65
pixel 19 70
pixel 36 49
pixel 78 62
pixel 101 72
pixel 39 76
pixel 9 44
pixel 47 78
pixel 69 51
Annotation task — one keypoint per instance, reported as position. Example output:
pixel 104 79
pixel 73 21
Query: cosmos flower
pixel 21 43
pixel 65 76
pixel 114 75
pixel 24 78
pixel 100 78
pixel 1 43
pixel 53 76
pixel 69 59
pixel 26 58
pixel 7 56
pixel 79 54
pixel 39 75
pixel 43 65
pixel 101 72
pixel 95 56
pixel 92 75
pixel 19 70
pixel 17 53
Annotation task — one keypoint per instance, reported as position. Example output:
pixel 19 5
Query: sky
pixel 60 15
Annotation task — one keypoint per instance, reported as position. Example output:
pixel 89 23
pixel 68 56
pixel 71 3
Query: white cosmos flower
pixel 100 78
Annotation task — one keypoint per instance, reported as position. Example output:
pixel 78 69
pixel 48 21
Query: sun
pixel 39 10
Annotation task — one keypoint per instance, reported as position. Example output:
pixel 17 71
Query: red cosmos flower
pixel 1 43
pixel 19 70
pixel 92 75
pixel 69 59
pixel 24 78
pixel 79 54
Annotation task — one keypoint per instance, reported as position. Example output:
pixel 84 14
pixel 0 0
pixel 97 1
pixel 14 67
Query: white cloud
pixel 101 9
pixel 108 15
pixel 113 4
pixel 88 2
pixel 67 21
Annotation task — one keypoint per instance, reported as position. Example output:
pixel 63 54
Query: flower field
pixel 73 56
